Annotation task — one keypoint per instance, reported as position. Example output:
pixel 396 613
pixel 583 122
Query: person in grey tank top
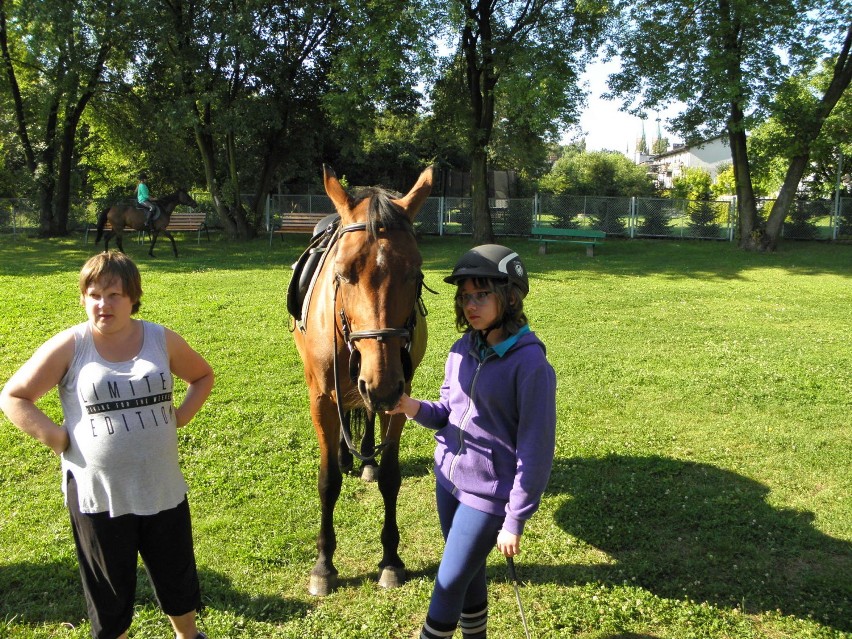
pixel 123 486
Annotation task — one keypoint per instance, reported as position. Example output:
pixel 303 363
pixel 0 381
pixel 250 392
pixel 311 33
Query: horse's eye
pixel 341 278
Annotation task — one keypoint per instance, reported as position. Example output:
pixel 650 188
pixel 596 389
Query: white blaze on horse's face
pixel 381 261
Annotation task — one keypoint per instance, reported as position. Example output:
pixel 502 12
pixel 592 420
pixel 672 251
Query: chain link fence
pixel 618 216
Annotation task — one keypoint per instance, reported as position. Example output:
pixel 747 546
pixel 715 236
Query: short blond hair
pixel 109 266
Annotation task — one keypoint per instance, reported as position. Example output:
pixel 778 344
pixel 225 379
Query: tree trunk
pixel 746 205
pixel 207 152
pixel 62 199
pixel 272 161
pixel 45 170
pixel 481 80
pixel 781 207
pixel 245 230
pixel 483 233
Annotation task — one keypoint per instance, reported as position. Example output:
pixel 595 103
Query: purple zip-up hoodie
pixel 496 423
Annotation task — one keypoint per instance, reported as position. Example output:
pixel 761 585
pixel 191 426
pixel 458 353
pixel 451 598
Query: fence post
pixel 836 217
pixel 441 206
pixel 732 211
pixel 535 211
pixel 632 217
pixel 268 221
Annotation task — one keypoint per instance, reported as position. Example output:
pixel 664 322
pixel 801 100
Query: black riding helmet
pixel 142 176
pixel 491 261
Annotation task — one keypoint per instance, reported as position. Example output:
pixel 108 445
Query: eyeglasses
pixel 479 298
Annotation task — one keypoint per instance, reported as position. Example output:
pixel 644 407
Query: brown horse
pixel 120 216
pixel 362 334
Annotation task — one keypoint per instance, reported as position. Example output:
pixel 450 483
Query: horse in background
pixel 121 216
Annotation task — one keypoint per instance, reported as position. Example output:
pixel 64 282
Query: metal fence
pixel 628 217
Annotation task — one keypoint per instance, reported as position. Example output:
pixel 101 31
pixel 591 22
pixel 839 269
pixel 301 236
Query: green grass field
pixel 701 486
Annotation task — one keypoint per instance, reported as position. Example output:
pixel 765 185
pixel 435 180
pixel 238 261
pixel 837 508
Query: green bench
pixel 547 234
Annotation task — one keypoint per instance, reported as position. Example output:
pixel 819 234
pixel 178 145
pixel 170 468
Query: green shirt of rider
pixel 142 193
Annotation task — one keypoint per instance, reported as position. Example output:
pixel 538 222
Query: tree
pixel 56 56
pixel 603 173
pixel 272 89
pixel 695 186
pixel 775 142
pixel 538 48
pixel 240 77
pixel 807 132
pixel 726 59
pixel 724 184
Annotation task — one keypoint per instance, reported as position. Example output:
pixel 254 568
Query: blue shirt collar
pixel 501 348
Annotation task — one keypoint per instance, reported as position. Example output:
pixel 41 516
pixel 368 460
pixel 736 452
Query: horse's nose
pixel 377 400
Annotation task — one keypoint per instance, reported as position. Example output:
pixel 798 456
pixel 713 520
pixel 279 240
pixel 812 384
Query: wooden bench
pixel 547 234
pixel 191 221
pixel 296 222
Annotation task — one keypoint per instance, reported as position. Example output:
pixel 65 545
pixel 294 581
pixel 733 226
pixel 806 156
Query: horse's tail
pixel 102 218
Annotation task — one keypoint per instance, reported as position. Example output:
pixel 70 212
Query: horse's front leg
pixel 172 239
pixel 324 575
pixel 391 568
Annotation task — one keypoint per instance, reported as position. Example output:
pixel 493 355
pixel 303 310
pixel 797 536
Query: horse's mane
pixel 381 211
pixel 171 197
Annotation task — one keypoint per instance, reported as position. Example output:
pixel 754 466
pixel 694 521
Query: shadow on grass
pixel 691 530
pixel 51 593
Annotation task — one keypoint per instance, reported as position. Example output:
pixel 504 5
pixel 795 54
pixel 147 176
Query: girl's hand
pixel 406 405
pixel 508 543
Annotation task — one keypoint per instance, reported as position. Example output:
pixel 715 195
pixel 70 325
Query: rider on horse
pixel 142 197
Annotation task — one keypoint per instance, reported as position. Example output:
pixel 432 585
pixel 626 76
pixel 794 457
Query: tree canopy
pixel 606 173
pixel 242 99
pixel 726 61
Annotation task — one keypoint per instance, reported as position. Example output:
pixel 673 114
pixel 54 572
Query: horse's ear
pixel 411 203
pixel 335 191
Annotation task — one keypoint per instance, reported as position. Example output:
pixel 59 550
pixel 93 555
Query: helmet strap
pixel 485 332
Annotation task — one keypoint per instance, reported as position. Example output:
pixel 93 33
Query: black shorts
pixel 108 550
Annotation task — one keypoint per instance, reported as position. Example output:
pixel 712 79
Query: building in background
pixel 710 155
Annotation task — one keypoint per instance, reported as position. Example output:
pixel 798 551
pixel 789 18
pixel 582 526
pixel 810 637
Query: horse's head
pixel 377 278
pixel 185 198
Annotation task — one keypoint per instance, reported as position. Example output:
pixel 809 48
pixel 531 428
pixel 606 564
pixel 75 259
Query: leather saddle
pixel 306 268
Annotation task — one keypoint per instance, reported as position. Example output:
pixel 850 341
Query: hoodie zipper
pixel 463 423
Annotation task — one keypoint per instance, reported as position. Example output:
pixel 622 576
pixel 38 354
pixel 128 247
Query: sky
pixel 607 128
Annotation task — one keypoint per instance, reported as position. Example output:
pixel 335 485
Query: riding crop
pixel 514 577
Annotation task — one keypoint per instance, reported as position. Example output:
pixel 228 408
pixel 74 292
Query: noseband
pixel 351 338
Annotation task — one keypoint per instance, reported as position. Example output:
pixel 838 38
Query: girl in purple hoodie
pixel 495 426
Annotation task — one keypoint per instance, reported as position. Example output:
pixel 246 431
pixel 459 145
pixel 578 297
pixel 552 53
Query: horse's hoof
pixel 322 586
pixel 391 577
pixel 369 473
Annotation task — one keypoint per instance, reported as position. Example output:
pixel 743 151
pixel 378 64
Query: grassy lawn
pixel 702 481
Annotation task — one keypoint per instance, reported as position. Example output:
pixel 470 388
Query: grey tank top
pixel 120 420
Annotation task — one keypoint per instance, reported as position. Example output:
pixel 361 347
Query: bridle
pixel 351 338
